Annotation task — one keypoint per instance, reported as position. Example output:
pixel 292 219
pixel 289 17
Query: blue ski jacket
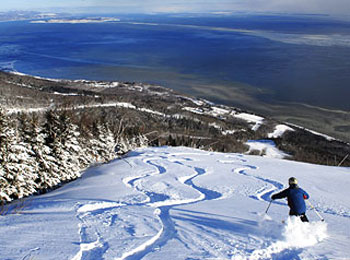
pixel 295 197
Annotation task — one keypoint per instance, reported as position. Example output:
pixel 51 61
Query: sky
pixel 333 7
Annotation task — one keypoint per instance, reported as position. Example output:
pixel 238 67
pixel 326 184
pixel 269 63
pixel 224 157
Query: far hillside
pixel 166 117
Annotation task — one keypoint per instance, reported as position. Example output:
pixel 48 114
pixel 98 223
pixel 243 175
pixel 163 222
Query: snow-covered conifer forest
pixel 38 153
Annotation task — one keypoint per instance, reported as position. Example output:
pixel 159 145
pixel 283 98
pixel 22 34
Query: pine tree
pixel 70 150
pixel 53 172
pixel 16 172
pixel 23 162
pixel 127 144
pixel 44 161
pixel 103 145
pixel 110 143
pixel 6 137
pixel 88 156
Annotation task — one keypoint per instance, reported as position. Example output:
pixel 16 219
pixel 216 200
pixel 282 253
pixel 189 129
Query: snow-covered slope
pixel 180 203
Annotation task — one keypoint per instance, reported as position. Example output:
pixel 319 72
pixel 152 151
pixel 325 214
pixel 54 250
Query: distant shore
pixel 78 21
pixel 321 121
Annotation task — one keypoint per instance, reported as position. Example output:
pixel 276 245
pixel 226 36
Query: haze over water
pixel 304 59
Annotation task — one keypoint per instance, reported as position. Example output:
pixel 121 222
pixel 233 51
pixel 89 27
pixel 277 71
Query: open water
pixel 302 59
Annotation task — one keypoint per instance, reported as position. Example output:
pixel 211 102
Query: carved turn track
pixel 164 204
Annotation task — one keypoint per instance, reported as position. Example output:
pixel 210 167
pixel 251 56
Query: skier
pixel 295 197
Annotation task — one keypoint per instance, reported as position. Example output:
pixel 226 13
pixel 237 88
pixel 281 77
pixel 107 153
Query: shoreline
pixel 282 118
pixel 75 21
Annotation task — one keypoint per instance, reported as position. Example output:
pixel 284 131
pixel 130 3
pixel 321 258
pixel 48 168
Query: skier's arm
pixel 280 195
pixel 305 195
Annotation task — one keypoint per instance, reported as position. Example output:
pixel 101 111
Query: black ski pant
pixel 302 216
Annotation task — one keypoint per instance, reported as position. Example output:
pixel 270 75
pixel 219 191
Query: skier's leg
pixel 304 218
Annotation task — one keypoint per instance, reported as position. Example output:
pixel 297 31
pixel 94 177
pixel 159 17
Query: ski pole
pixel 268 207
pixel 318 214
pixel 127 162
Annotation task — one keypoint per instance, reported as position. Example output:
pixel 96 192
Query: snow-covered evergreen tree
pixel 103 144
pixel 127 144
pixel 88 157
pixel 45 162
pixel 16 171
pixel 36 157
pixel 23 161
pixel 51 131
pixel 70 151
pixel 6 138
pixel 108 139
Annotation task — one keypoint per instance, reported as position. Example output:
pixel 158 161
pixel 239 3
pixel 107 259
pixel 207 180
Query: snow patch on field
pixel 267 148
pixel 250 118
pixel 279 131
pixel 195 110
pixel 218 111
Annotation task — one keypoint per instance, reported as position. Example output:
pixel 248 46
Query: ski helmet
pixel 292 181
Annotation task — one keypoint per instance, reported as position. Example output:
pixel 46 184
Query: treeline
pixel 307 147
pixel 39 152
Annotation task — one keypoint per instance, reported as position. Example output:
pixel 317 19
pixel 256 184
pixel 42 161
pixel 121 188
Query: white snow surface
pixel 279 131
pixel 257 120
pixel 181 203
pixel 267 148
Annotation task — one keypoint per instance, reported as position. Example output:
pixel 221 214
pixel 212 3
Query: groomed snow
pixel 181 203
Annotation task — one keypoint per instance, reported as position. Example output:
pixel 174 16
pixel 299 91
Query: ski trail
pixel 89 249
pixel 232 159
pixel 92 244
pixel 272 186
pixel 208 194
pixel 137 253
pixel 264 193
pixel 29 255
pixel 152 197
pixel 327 210
pixel 164 204
pixel 296 235
pixel 160 169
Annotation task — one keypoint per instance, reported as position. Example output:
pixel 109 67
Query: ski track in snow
pixel 164 204
pixel 92 245
pixel 264 193
pixel 272 186
pixel 162 185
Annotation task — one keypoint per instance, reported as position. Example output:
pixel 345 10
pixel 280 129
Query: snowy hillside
pixel 180 203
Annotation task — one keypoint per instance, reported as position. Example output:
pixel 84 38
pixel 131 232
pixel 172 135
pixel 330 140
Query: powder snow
pixel 182 203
